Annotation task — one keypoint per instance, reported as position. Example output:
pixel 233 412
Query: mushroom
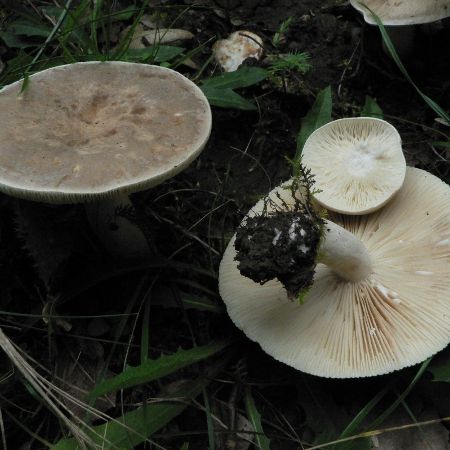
pixel 95 132
pixel 230 53
pixel 358 164
pixel 400 17
pixel 379 299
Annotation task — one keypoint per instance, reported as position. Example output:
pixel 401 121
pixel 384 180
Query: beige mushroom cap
pixel 398 317
pixel 85 131
pixel 403 12
pixel 358 164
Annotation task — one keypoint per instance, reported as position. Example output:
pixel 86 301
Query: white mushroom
pixel 95 132
pixel 403 12
pixel 230 53
pixel 400 16
pixel 358 164
pixel 379 298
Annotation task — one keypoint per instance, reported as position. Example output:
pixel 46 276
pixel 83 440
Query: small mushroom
pixel 400 17
pixel 358 164
pixel 230 53
pixel 95 132
pixel 379 299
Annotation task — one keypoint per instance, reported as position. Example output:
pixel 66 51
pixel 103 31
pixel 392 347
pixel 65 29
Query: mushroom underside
pixel 395 318
pixel 358 164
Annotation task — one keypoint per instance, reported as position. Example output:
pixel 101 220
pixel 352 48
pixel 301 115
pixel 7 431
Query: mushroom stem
pixel 120 237
pixel 344 254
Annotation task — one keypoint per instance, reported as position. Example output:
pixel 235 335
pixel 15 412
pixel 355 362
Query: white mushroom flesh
pixel 230 53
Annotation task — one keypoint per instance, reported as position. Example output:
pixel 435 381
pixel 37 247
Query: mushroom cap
pixel 85 131
pixel 404 12
pixel 231 52
pixel 398 317
pixel 358 164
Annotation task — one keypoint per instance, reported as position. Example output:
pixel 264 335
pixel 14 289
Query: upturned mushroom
pixel 378 295
pixel 358 162
pixel 95 132
pixel 401 17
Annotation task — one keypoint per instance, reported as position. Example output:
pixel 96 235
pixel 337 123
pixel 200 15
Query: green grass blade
pixel 382 417
pixel 25 83
pixel 154 369
pixel 262 442
pixel 96 20
pixel 136 426
pixel 145 333
pixel 124 45
pixel 318 115
pixel 209 422
pixel 371 108
pixel 353 426
pixel 73 31
pixel 49 37
pixel 390 47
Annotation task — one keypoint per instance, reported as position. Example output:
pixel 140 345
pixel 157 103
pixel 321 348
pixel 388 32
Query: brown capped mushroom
pixel 95 132
pixel 379 299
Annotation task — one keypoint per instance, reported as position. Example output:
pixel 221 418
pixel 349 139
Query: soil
pixel 192 217
pixel 276 242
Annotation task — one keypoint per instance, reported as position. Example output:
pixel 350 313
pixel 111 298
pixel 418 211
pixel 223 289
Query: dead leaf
pixel 143 37
pixel 225 435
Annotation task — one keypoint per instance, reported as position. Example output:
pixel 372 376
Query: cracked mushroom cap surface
pixel 403 12
pixel 397 317
pixel 358 164
pixel 85 131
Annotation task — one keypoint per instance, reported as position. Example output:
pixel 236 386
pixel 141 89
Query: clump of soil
pixel 280 242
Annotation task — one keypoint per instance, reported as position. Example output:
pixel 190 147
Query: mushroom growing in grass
pixel 358 162
pixel 378 291
pixel 401 17
pixel 95 132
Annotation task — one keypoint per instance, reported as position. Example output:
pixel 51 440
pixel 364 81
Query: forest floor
pixel 80 314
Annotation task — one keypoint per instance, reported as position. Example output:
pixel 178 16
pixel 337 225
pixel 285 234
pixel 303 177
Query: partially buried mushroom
pixel 358 163
pixel 231 52
pixel 95 132
pixel 378 298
